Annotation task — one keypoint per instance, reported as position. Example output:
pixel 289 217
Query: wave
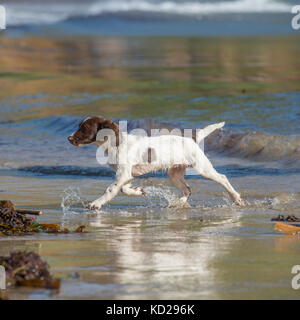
pixel 253 145
pixel 68 171
pixel 42 13
pixel 256 145
pixel 65 124
pixel 274 150
pixel 76 171
pixel 229 170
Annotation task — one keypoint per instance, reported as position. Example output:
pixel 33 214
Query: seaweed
pixel 281 217
pixel 28 269
pixel 290 229
pixel 55 228
pixel 15 222
pixel 12 222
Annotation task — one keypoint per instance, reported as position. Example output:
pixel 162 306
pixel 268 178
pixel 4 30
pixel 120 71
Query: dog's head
pixel 88 129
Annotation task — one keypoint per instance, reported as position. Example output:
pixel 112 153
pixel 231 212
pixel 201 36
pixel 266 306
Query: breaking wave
pixel 252 145
pixel 269 154
pixel 35 13
pixel 256 145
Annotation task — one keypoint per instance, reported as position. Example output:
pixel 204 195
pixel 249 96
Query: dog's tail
pixel 201 134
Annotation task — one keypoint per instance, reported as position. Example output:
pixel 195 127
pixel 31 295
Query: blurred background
pixel 153 17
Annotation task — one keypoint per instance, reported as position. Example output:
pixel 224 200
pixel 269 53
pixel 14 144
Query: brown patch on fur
pixel 109 124
pixel 149 156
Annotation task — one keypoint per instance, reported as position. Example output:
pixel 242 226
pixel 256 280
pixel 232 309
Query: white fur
pixel 170 152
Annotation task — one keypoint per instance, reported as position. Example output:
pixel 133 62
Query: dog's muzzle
pixel 72 140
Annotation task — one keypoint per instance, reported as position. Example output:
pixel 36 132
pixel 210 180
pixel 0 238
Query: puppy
pixel 132 155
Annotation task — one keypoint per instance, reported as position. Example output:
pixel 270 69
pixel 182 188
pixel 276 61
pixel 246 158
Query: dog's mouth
pixel 73 141
pixel 78 143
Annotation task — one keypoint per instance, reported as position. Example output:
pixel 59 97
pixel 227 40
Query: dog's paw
pixel 186 205
pixel 240 202
pixel 140 191
pixel 94 206
pixel 180 203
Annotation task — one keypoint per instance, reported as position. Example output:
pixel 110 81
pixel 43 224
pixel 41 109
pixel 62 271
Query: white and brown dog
pixel 132 155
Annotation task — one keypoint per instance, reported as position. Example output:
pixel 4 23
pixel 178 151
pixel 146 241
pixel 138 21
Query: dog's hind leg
pixel 176 175
pixel 206 169
pixel 133 191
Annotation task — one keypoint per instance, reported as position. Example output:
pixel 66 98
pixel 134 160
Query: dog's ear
pixel 109 124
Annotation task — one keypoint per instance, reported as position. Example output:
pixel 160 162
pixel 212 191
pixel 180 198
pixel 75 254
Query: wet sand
pixel 138 248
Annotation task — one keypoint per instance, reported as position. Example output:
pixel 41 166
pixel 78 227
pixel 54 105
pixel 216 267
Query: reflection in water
pixel 173 260
pixel 139 248
pixel 220 59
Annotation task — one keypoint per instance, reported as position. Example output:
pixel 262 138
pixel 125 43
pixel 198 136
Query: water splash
pixel 71 199
pixel 282 202
pixel 164 195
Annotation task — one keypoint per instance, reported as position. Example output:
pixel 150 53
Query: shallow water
pixel 139 247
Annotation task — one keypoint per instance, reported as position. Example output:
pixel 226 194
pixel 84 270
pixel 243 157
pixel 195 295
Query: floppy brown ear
pixel 109 124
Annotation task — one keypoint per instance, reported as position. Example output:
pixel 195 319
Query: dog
pixel 132 155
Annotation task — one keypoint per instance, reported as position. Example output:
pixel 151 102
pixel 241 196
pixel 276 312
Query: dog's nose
pixel 71 138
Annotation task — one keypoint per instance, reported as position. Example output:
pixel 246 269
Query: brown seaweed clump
pixel 28 269
pixel 15 222
pixel 281 217
pixel 12 222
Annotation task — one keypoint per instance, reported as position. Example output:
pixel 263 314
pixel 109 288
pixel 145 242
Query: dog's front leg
pixel 133 191
pixel 122 177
